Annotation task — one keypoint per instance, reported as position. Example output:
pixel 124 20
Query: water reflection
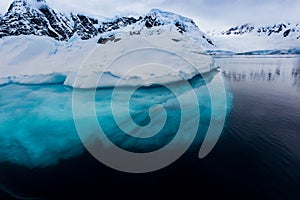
pixel 259 75
pixel 265 75
pixel 296 75
pixel 234 76
pixel 282 71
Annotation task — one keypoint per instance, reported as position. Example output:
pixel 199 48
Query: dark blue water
pixel 257 155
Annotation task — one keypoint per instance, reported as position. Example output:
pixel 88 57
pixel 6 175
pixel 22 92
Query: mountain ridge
pixel 248 38
pixel 35 17
pixel 284 29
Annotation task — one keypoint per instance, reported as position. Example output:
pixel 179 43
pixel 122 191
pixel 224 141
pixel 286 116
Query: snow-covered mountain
pixel 282 29
pixel 35 17
pixel 282 37
pixel 49 47
pixel 84 26
pixel 153 23
pixel 24 19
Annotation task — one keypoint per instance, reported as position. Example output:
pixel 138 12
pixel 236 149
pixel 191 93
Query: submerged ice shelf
pixel 37 127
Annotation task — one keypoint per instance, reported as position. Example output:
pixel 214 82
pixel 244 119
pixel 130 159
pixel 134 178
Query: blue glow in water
pixel 37 127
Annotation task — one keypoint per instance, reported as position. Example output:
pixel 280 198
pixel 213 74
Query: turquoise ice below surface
pixel 37 127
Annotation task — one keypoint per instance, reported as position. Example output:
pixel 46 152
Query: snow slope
pixel 42 60
pixel 249 38
pixel 145 60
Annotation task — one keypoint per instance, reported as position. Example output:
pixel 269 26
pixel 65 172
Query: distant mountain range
pixel 281 38
pixel 282 29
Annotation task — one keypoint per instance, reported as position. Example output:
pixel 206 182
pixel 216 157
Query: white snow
pixel 168 19
pixel 40 60
pixel 248 42
pixel 168 56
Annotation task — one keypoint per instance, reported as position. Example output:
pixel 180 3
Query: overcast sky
pixel 208 14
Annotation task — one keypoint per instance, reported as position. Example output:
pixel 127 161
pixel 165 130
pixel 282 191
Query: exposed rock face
pixel 85 26
pixel 117 24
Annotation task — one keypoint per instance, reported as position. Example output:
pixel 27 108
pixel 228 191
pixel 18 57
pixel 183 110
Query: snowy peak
pixel 279 38
pixel 117 23
pixel 285 30
pixel 20 19
pixel 239 30
pixel 22 6
pixel 175 22
pixel 280 29
pixel 60 24
pixel 154 22
pixel 158 17
pixel 18 6
pixel 155 18
pixel 37 18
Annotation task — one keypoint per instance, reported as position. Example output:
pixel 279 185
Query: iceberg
pixel 61 62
